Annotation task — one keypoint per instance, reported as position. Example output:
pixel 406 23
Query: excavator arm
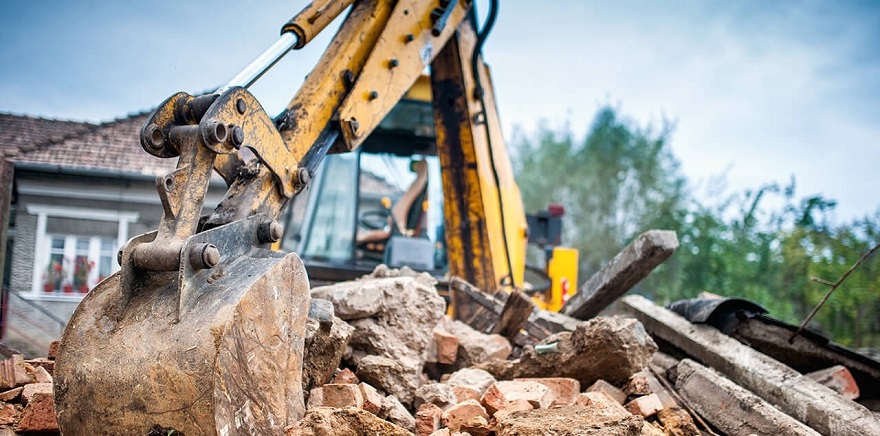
pixel 202 329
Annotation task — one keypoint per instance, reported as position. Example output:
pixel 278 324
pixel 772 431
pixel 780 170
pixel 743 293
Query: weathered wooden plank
pixel 806 400
pixel 619 275
pixel 730 407
pixel 515 314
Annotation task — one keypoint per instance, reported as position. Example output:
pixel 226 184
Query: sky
pixel 758 91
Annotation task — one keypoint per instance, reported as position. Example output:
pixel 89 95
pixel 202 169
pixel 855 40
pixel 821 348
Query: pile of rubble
pixel 26 401
pixel 389 361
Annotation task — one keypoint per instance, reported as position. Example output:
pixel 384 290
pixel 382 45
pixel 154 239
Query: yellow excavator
pixel 202 329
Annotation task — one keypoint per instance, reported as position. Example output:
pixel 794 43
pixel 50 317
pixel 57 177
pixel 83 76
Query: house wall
pixel 34 318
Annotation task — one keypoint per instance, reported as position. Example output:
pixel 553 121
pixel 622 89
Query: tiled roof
pixel 111 146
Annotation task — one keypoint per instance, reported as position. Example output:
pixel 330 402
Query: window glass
pixel 75 264
pixel 330 220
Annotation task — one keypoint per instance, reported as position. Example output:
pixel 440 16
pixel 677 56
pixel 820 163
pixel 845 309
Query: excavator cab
pixel 382 203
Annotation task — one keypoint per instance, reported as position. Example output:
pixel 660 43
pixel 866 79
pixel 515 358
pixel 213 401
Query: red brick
pixel 503 392
pixel 41 375
pixel 446 346
pixel 372 398
pixel 513 406
pixel 54 346
pixel 7 414
pixel 464 393
pixel 38 415
pixel 645 406
pixel 33 389
pixel 428 419
pixel 342 395
pixel 563 390
pixel 15 372
pixel 345 376
pixel 839 379
pixel 459 414
pixel 609 390
pixel 601 404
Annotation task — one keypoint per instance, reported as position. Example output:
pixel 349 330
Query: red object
pixel 556 210
pixel 563 284
pixel 83 289
pixel 68 289
pixel 47 287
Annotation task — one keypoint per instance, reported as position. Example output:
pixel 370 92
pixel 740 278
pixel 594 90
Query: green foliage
pixel 623 179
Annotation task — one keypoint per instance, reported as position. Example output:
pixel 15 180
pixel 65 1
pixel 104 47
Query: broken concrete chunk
pixel 389 376
pixel 458 415
pixel 646 406
pixel 609 390
pixel 567 421
pixel 637 385
pixel 477 426
pixel 353 299
pixel 472 377
pixel 439 394
pixel 323 351
pixel 349 421
pixel 563 390
pixel 475 347
pixel 394 411
pixel 839 379
pixel 41 375
pixel 609 348
pixel 428 419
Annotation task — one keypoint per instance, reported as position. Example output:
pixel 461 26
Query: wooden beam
pixel 623 272
pixel 806 400
pixel 515 314
pixel 730 407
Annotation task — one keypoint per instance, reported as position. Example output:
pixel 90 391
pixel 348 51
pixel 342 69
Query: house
pixel 71 194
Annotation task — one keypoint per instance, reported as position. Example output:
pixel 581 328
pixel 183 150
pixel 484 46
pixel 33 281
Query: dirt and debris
pixel 386 359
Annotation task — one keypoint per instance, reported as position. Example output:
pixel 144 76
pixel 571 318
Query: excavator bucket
pixel 198 351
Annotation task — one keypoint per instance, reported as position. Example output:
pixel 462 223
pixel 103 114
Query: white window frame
pixel 43 241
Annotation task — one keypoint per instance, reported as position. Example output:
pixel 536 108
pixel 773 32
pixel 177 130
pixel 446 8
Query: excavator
pixel 395 144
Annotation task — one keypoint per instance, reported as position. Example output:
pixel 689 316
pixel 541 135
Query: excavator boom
pixel 202 329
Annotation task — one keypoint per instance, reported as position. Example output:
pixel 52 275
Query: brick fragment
pixel 54 346
pixel 677 422
pixel 342 395
pixel 464 393
pixel 7 414
pixel 513 406
pixel 609 390
pixel 637 385
pixel 839 379
pixel 41 375
pixel 428 419
pixel 477 426
pixel 601 404
pixel 11 394
pixel 458 415
pixel 316 398
pixel 345 376
pixel 372 398
pixel 15 372
pixel 39 415
pixel 446 346
pixel 563 390
pixel 503 392
pixel 442 432
pixel 27 395
pixel 645 406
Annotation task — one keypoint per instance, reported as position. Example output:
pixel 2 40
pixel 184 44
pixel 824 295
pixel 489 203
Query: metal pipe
pixel 246 77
